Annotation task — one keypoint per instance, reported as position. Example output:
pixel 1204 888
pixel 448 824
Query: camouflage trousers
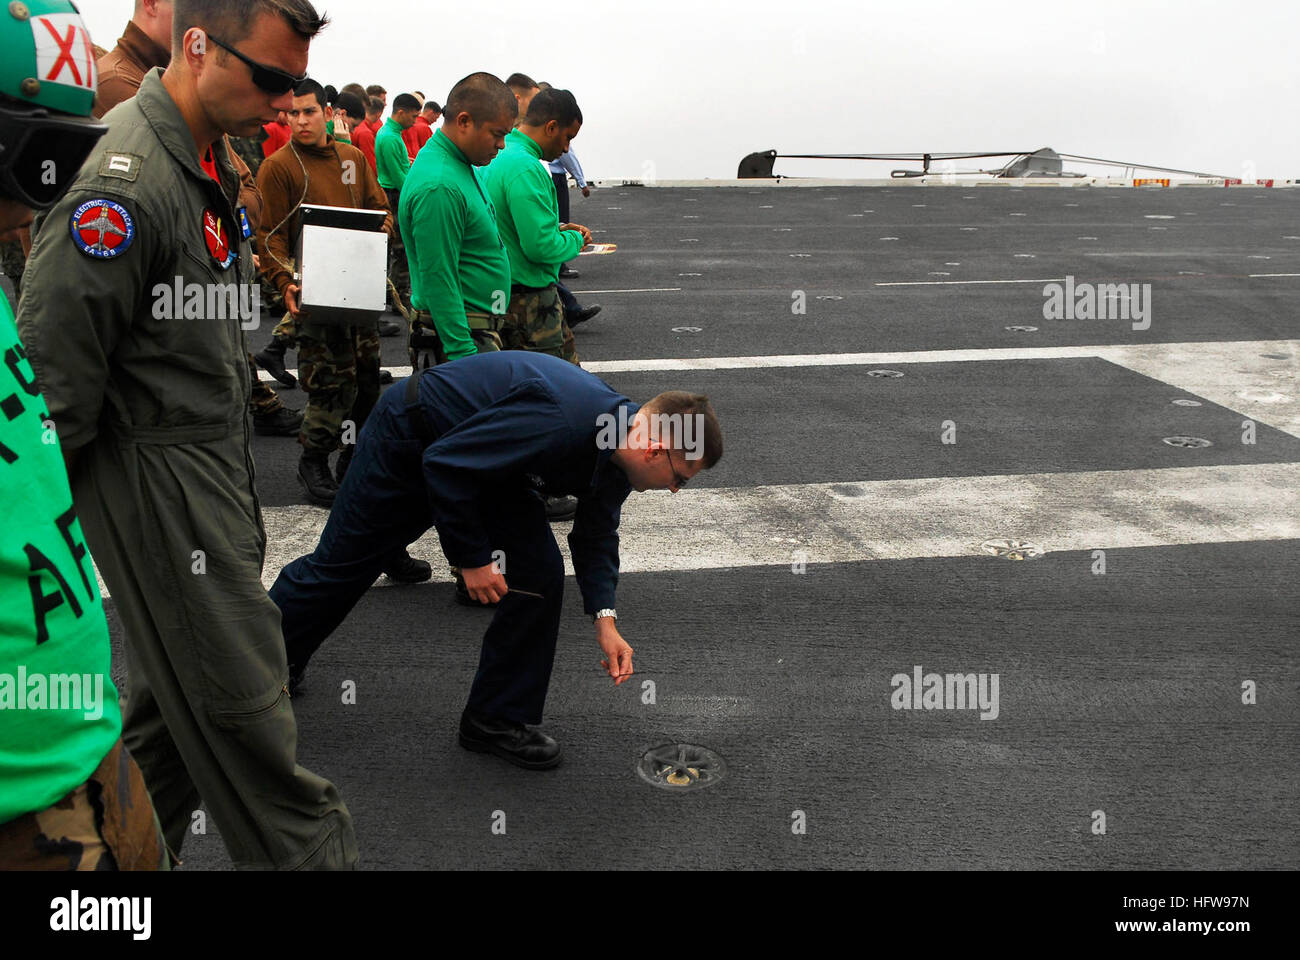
pixel 426 347
pixel 399 271
pixel 535 321
pixel 339 369
pixel 13 263
pixel 263 400
pixel 287 328
pixel 107 823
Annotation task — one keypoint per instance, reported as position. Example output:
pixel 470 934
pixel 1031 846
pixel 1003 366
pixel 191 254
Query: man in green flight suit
pixel 523 193
pixel 394 163
pixel 139 282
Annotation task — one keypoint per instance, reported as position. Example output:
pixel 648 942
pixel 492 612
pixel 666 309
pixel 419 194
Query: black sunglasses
pixel 267 78
pixel 678 479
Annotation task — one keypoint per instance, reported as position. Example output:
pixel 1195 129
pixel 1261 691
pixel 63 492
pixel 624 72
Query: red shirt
pixel 417 136
pixel 374 125
pixel 277 136
pixel 363 138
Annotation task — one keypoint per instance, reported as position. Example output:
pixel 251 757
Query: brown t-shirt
pixel 338 176
pixel 122 69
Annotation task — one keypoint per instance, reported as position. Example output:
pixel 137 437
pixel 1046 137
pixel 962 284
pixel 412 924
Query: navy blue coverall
pixel 468 447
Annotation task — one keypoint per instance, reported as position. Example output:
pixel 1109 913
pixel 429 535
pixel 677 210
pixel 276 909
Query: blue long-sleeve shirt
pixel 568 163
pixel 513 420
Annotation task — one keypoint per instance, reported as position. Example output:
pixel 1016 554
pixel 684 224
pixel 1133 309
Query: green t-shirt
pixel 523 194
pixel 59 713
pixel 392 159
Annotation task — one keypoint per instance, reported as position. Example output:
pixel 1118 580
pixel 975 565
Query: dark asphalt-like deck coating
pixel 1119 693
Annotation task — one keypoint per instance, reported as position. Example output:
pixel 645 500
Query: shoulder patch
pixel 124 166
pixel 102 229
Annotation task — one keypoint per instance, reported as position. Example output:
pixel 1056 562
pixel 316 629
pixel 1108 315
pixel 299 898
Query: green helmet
pixel 47 92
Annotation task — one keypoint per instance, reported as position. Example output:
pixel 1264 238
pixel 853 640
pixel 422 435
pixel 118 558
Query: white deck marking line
pixel 1232 374
pixel 907 519
pixel 956 283
pixel 1254 275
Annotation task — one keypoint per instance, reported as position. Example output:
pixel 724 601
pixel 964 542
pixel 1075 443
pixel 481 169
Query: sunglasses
pixel 41 152
pixel 266 78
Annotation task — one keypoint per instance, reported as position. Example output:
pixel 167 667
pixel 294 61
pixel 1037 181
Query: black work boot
pixel 281 422
pixel 272 361
pixel 406 569
pixel 314 475
pixel 342 463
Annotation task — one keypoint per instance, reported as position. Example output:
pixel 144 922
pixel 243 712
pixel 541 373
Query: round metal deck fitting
pixel 681 766
pixel 1190 443
pixel 885 373
pixel 1012 549
pixel 1185 403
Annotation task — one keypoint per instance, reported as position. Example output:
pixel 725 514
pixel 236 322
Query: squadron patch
pixel 217 239
pixel 102 229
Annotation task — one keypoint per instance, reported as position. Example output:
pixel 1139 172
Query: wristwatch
pixel 607 612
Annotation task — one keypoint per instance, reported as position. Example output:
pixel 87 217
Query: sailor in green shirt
pixel 71 797
pixel 393 164
pixel 522 191
pixel 460 274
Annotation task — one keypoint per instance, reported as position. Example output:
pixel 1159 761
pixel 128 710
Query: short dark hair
pixel 484 97
pixel 375 90
pixel 677 405
pixel 521 82
pixel 356 89
pixel 350 104
pixel 433 105
pixel 331 93
pixel 232 20
pixel 404 101
pixel 374 105
pixel 310 88
pixel 558 105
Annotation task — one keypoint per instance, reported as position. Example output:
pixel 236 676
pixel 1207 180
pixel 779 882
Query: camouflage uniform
pixel 13 261
pixel 484 329
pixel 535 321
pixel 249 149
pixel 107 823
pixel 263 401
pixel 339 368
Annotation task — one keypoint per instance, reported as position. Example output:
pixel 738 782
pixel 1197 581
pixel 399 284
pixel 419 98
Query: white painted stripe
pixel 1233 374
pixel 908 519
pixel 1257 275
pixel 958 283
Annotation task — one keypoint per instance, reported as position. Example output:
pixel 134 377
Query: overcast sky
pixel 683 90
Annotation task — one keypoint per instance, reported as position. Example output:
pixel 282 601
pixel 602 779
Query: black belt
pixel 415 411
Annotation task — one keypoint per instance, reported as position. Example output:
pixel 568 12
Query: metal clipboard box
pixel 343 264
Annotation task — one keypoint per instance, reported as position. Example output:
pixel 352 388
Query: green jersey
pixel 391 156
pixel 528 215
pixel 59 713
pixel 457 260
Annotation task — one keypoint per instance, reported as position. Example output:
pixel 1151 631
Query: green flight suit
pixel 146 376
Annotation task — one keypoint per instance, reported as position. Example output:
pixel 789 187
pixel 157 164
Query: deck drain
pixel 1012 549
pixel 884 373
pixel 681 766
pixel 1191 443
pixel 1185 403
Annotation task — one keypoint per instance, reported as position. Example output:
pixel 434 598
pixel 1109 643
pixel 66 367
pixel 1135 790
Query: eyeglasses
pixel 267 78
pixel 678 479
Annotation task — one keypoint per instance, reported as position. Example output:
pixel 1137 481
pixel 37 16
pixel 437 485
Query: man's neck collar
pixel 180 87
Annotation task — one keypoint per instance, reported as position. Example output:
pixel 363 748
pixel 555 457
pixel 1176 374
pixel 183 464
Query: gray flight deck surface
pixel 1119 691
